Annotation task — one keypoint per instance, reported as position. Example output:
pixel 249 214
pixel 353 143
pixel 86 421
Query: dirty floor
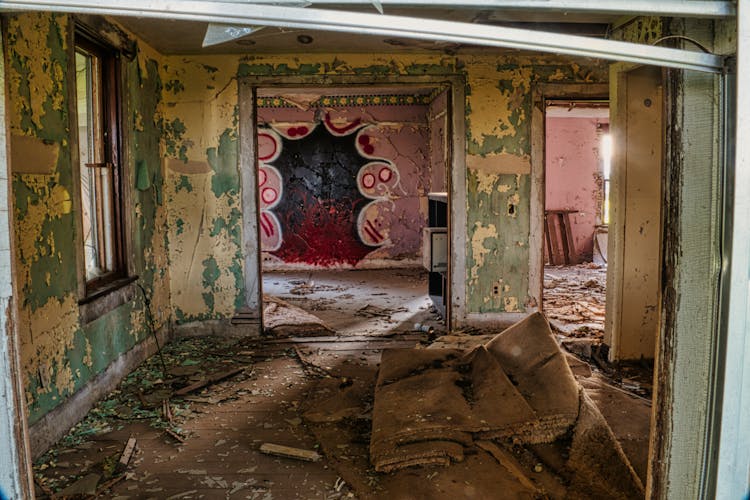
pixel 199 424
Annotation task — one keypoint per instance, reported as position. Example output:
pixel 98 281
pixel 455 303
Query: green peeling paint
pixel 46 225
pixel 223 161
pixel 505 258
pixel 183 183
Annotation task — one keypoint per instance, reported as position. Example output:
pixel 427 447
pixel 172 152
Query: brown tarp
pixel 517 388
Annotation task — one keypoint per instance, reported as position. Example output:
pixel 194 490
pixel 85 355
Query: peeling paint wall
pixel 202 189
pixel 59 353
pixel 499 168
pixel 201 117
pixel 378 208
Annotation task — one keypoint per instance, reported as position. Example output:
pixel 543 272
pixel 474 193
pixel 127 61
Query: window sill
pixel 107 298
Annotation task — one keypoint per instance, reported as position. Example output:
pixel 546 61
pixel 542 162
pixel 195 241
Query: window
pixel 98 146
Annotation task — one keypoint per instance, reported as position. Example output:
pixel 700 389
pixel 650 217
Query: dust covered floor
pixel 574 299
pixel 200 424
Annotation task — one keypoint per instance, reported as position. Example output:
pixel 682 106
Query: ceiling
pixel 186 37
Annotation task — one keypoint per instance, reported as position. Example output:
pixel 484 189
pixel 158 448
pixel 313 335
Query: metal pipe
pixel 668 8
pixel 381 25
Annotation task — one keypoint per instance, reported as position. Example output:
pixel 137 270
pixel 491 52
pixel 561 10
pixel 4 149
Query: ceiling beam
pixel 358 23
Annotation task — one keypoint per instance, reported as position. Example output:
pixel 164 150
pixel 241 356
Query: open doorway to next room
pixel 353 209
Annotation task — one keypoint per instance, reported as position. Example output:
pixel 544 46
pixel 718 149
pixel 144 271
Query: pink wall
pixel 387 232
pixel 438 121
pixel 574 175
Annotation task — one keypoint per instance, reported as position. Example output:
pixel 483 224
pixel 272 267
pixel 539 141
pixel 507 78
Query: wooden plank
pixel 208 381
pixel 289 452
pixel 571 257
pixel 126 453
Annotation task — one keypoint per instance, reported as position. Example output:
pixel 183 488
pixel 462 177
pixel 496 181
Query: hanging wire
pixel 150 321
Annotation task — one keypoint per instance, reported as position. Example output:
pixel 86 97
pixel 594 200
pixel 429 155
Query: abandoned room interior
pixel 374 249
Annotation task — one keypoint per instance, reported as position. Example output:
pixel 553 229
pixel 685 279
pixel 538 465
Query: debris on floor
pixel 516 390
pixel 282 319
pixel 317 394
pixel 575 298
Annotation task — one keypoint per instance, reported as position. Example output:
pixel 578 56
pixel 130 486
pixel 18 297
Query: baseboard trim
pixel 56 423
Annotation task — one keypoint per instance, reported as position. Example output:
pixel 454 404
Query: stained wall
pixel 59 353
pixel 343 186
pixel 202 183
pixel 574 175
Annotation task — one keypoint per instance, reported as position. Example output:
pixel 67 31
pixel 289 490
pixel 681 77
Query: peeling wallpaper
pixel 201 113
pixel 59 354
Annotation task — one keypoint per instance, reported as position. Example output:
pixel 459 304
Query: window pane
pixel 96 187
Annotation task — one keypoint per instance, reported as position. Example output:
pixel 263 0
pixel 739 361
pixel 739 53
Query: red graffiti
pixel 344 129
pixel 297 131
pixel 368 181
pixel 385 174
pixel 323 235
pixel 269 195
pixel 265 139
pixel 266 224
pixel 372 232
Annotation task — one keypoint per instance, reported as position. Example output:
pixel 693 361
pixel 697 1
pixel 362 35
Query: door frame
pixel 540 93
pixel 455 177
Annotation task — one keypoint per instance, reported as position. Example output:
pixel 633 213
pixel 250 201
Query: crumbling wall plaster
pixel 59 353
pixel 200 107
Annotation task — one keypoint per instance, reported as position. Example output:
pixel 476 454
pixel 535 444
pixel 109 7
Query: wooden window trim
pixel 110 103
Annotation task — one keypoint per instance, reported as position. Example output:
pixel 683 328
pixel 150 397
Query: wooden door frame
pixel 540 93
pixel 455 178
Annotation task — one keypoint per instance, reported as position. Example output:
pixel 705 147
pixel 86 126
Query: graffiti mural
pixel 322 192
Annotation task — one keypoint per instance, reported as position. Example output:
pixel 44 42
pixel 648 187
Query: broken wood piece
pixel 289 452
pixel 174 435
pixel 167 411
pixel 208 381
pixel 503 459
pixel 84 487
pixel 126 454
pixel 104 487
pixel 45 489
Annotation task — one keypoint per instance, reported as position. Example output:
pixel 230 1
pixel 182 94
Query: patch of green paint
pixel 209 69
pixel 231 225
pixel 244 69
pixel 180 226
pixel 174 86
pixel 211 272
pixel 172 133
pixel 208 298
pixel 505 256
pixel 223 161
pixel 183 183
pixel 375 69
pixel 239 280
pixel 53 274
pixel 426 69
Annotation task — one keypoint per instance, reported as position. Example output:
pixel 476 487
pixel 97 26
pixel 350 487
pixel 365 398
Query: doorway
pixel 345 179
pixel 577 171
